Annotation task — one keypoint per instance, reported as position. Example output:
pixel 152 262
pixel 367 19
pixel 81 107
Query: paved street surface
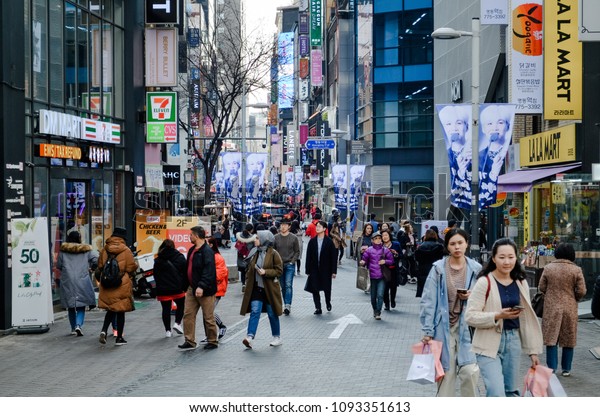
pixel 369 359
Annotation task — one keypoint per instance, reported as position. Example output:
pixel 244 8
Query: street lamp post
pixel 449 33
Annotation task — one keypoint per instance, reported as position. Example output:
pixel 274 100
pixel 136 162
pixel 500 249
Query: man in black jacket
pixel 202 276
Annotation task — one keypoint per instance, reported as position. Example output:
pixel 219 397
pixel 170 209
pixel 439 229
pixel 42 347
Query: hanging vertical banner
pixel 255 182
pixel 161 117
pixel 232 165
pixel 357 173
pixel 456 125
pixel 303 134
pixel 303 23
pixel 563 62
pixel 526 69
pixel 340 185
pixel 304 46
pixel 31 277
pixel 315 22
pixel 495 134
pixel 316 67
pixel 303 68
pixel 285 81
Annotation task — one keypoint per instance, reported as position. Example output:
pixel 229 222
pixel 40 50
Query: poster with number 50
pixel 31 277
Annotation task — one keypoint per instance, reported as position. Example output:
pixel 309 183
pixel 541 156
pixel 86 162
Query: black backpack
pixel 110 276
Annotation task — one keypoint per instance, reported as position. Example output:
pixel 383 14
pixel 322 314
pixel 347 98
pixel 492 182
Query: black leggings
pixel 108 319
pixel 341 250
pixel 298 265
pixel 166 311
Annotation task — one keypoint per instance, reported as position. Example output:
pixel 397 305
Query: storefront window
pixel 577 214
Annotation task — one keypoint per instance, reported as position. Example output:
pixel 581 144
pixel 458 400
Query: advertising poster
pixel 285 81
pixel 496 127
pixel 315 23
pixel 151 230
pixel 527 63
pixel 31 277
pixel 232 178
pixel 340 185
pixel 494 12
pixel 255 182
pixel 357 173
pixel 178 230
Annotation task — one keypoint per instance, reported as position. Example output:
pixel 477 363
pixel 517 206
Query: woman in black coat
pixel 426 254
pixel 171 283
pixel 321 268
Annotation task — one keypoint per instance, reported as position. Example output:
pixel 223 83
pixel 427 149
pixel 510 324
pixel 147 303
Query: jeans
pixel 255 310
pixel 76 317
pixel 566 358
pixel 287 283
pixel 377 290
pixel 501 375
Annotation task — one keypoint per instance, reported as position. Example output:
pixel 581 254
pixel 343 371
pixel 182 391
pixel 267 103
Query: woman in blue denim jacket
pixel 446 291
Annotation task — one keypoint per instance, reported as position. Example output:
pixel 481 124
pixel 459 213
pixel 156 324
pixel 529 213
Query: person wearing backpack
pixel 171 284
pixel 115 297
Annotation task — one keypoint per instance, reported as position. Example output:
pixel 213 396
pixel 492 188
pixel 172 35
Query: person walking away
pixel 563 285
pixel 408 245
pixel 320 266
pixel 426 254
pixel 171 284
pixel 226 234
pixel 505 324
pixel 286 244
pixel 338 241
pixel 374 258
pixel 202 277
pixel 263 292
pixel 391 288
pixel 222 282
pixel 75 261
pixel 297 231
pixel 446 290
pixel 244 242
pixel 119 300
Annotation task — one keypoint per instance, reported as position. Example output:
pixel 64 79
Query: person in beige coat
pixel 562 284
pixel 505 324
pixel 117 301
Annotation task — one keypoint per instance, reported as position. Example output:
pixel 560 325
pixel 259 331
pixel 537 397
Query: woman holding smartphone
pixel 500 310
pixel 447 288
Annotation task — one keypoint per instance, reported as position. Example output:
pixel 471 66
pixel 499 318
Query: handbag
pixel 537 302
pixel 402 274
pixel 422 367
pixel 363 278
pixel 536 381
pixel 555 389
pixel 386 271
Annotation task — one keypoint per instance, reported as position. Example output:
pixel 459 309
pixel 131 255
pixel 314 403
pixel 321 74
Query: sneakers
pixel 248 342
pixel 386 307
pixel 276 341
pixel 186 346
pixel 102 338
pixel 328 306
pixel 177 327
pixel 210 346
pixel 287 310
pixel 393 303
pixel 222 331
pixel 168 333
pixel 73 332
pixel 243 288
pixel 318 311
pixel 566 373
pixel 377 316
pixel 120 341
pixel 78 331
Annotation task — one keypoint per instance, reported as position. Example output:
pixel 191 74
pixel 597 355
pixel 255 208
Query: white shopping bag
pixel 555 389
pixel 422 369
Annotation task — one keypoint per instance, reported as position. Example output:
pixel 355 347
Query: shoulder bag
pixel 537 302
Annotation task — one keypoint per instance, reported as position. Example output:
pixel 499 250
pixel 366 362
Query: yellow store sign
pixel 549 147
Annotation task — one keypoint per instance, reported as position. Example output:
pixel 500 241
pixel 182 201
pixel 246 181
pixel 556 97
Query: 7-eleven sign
pixel 161 117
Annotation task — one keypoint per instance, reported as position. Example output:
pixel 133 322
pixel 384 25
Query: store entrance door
pixel 77 208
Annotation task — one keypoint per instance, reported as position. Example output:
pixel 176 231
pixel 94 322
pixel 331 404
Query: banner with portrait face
pixel 232 178
pixel 255 182
pixel 357 173
pixel 494 137
pixel 495 134
pixel 456 120
pixel 340 185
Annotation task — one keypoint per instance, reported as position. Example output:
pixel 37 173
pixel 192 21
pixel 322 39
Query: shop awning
pixel 521 181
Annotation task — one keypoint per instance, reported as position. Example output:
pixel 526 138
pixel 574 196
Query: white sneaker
pixel 248 342
pixel 168 333
pixel 276 341
pixel 177 328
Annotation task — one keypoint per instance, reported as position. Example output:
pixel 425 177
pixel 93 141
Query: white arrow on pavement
pixel 342 323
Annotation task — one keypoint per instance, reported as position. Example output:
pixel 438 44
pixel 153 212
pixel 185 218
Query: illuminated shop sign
pixel 75 127
pixel 49 150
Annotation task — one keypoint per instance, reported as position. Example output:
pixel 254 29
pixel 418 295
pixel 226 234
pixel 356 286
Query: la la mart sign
pixel 75 127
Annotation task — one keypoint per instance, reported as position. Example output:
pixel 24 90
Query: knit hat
pixel 120 232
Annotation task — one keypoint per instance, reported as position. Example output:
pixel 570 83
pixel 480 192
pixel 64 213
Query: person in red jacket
pixel 222 281
pixel 311 229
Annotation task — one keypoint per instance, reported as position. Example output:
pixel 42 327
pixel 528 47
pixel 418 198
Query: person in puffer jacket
pixel 222 281
pixel 374 258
